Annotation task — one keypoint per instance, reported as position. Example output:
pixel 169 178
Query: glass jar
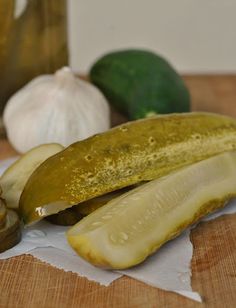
pixel 33 41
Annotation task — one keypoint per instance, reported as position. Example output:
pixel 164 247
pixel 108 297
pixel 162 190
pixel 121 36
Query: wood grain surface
pixel 28 282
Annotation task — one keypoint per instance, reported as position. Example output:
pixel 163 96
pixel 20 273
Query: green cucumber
pixel 139 83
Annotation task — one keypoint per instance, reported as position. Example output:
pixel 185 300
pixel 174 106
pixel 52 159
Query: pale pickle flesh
pixel 137 151
pixel 129 228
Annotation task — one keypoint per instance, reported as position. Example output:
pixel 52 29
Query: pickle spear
pixel 137 151
pixel 10 234
pixel 14 178
pixel 126 230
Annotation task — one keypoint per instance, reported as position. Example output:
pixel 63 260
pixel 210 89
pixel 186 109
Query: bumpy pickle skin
pixel 129 228
pixel 125 155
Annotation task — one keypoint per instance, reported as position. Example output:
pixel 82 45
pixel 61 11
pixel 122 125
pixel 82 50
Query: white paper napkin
pixel 168 269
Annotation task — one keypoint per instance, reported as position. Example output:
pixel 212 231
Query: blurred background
pixel 196 36
pixel 40 37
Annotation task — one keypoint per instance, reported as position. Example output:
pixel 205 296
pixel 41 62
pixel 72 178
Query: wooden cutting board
pixel 28 282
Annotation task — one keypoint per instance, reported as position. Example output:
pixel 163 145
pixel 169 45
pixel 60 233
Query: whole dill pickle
pixel 136 151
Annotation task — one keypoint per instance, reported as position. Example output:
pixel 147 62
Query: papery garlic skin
pixel 57 108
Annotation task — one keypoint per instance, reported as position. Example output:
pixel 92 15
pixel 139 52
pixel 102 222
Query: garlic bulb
pixel 57 108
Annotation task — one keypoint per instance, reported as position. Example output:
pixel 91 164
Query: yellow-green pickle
pixel 128 229
pixel 128 154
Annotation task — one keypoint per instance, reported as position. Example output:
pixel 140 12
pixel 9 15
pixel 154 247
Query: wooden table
pixel 28 282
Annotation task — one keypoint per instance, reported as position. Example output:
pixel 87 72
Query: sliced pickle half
pixel 128 229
